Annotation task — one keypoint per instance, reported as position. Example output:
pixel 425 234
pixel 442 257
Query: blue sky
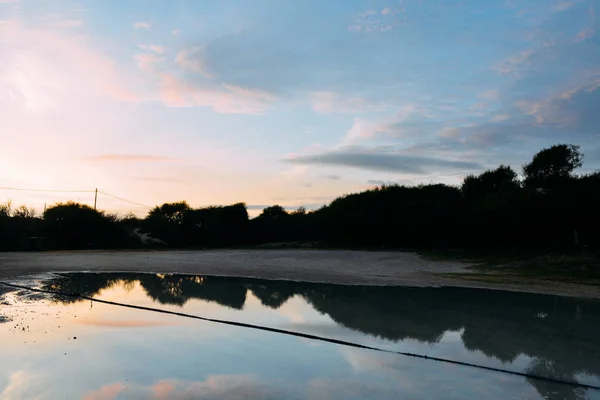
pixel 286 102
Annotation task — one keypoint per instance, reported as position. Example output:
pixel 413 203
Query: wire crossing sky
pixel 290 103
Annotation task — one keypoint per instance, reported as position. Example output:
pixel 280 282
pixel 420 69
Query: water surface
pixel 59 347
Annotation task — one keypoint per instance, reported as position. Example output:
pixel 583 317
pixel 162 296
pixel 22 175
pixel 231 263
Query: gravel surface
pixel 331 266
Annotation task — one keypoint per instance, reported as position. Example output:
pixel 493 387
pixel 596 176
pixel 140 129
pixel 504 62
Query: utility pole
pixel 95 198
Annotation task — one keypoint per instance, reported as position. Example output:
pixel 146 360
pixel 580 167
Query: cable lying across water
pixel 306 336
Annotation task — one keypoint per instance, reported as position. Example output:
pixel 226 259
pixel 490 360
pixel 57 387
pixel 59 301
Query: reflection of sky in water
pixel 133 354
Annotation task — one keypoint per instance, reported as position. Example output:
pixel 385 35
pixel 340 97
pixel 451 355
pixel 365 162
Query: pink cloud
pixel 48 69
pixel 153 47
pixel 129 158
pixel 513 64
pixel 108 392
pixel 388 126
pixel 224 98
pixel 231 387
pixel 146 62
pixel 552 110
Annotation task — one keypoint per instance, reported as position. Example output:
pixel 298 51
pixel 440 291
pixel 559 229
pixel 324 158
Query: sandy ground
pixel 330 266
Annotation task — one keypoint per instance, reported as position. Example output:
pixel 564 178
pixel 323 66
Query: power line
pixel 46 190
pixel 125 200
pixel 75 191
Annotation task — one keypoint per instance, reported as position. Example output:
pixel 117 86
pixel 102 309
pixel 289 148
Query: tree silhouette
pixel 550 209
pixel 78 226
pixel 552 166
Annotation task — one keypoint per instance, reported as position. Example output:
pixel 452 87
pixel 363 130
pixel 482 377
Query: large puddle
pixel 55 347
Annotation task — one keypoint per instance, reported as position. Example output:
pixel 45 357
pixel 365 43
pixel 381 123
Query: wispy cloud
pixel 153 47
pixel 585 34
pixel 333 103
pixel 489 94
pixel 568 107
pixel 391 125
pixel 48 69
pixel 514 64
pixel 66 24
pixel 371 159
pixel 331 177
pixel 500 117
pixel 378 182
pixel 374 21
pixel 142 25
pixel 191 60
pixel 449 133
pixel 107 392
pixel 563 6
pixel 147 61
pixel 176 32
pixel 129 158
pixel 223 98
pixel 215 387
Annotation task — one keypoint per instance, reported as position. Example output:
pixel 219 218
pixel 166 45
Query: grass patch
pixel 520 267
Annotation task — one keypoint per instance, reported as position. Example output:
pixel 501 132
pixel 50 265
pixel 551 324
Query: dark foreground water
pixel 53 347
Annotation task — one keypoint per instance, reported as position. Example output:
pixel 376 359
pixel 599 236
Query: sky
pixel 280 102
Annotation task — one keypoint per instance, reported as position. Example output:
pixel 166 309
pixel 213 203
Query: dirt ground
pixel 330 266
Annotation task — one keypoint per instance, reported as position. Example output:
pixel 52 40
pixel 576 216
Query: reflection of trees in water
pixel 559 333
pixel 273 296
pixel 163 288
pixel 384 312
pixel 543 367
pixel 178 289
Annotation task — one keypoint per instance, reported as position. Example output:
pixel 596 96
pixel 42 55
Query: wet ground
pixel 328 266
pixel 58 347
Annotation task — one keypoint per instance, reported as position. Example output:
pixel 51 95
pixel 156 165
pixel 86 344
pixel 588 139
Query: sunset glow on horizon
pixel 265 102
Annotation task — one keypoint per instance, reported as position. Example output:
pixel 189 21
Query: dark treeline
pixel 549 205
